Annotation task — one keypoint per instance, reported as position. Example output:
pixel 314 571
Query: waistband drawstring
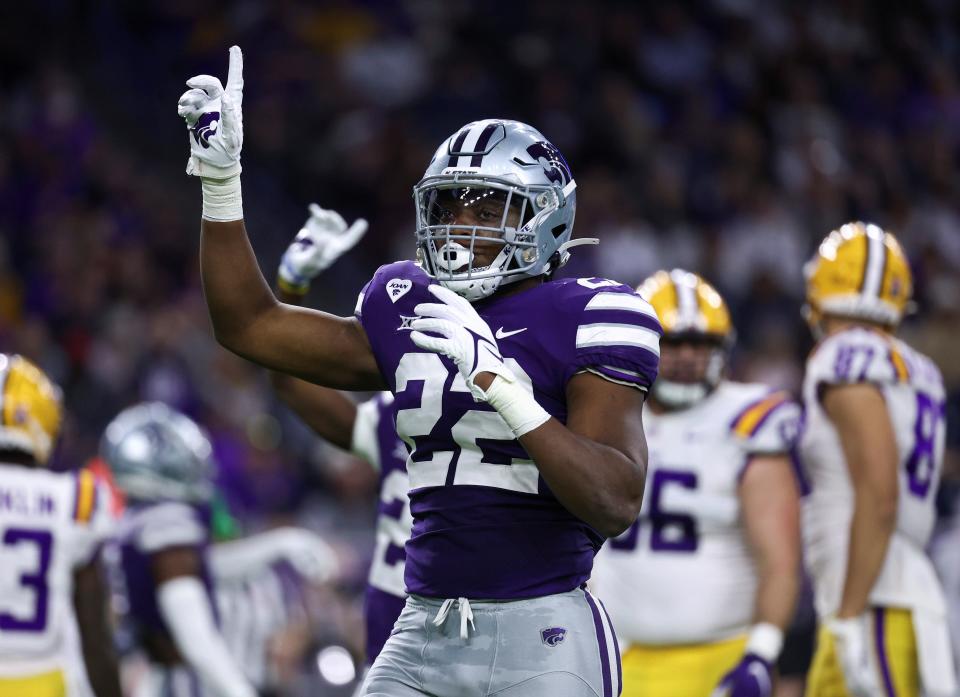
pixel 466 615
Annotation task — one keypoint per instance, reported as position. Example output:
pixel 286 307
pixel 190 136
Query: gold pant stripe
pixel 692 670
pixel 896 652
pixel 49 684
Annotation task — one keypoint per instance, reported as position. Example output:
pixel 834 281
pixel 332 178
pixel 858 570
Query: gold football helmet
pixel 690 310
pixel 858 272
pixel 30 408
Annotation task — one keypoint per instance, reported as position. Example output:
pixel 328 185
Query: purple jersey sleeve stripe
pixel 879 628
pixel 602 641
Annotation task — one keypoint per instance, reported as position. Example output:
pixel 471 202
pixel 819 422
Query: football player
pixel 872 446
pixel 519 396
pixel 51 529
pixel 701 587
pixel 161 462
pixel 367 430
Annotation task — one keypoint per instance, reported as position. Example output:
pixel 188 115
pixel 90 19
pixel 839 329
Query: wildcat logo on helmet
pixel 554 166
pixel 553 636
pixel 206 127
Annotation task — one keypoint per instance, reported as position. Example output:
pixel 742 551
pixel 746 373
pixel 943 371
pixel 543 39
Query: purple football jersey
pixel 144 531
pixel 485 523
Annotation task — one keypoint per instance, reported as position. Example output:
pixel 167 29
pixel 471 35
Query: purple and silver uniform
pixel 486 525
pixel 375 439
pixel 145 531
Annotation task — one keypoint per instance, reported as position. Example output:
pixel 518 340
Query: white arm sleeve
pixel 186 610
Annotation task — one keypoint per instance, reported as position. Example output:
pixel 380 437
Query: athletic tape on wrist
pixel 515 405
pixel 222 198
pixel 766 641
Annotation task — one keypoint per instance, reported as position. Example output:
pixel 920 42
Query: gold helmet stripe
pixel 873 269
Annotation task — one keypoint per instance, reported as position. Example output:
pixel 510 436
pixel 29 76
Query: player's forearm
pixel 871 528
pixel 236 293
pixel 96 638
pixel 596 482
pixel 777 594
pixel 186 610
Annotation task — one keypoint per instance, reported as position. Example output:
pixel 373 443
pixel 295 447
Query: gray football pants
pixel 554 646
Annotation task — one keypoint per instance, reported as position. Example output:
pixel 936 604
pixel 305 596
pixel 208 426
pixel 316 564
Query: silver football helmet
pixel 157 453
pixel 518 198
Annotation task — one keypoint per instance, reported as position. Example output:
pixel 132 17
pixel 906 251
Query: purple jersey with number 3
pixel 485 523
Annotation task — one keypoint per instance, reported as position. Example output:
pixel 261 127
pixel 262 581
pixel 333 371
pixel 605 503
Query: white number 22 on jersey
pixel 467 430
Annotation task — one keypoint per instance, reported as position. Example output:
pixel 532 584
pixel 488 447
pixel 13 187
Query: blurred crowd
pixel 724 136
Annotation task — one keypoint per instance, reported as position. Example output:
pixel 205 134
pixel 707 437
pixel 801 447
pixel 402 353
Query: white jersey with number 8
pixel 914 394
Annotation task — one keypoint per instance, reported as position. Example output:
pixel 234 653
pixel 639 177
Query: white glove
pixel 851 638
pixel 214 117
pixel 464 337
pixel 306 552
pixel 320 242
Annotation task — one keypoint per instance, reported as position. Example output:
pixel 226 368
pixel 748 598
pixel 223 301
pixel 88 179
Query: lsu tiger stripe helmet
pixel 690 309
pixel 31 408
pixel 859 271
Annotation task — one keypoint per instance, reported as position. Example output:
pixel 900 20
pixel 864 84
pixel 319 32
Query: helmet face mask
pixel 697 338
pixel 496 215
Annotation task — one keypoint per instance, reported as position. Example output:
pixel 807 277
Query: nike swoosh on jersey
pixel 503 335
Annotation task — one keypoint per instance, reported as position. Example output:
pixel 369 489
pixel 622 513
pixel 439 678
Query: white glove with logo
pixel 464 337
pixel 214 117
pixel 320 242
pixel 851 637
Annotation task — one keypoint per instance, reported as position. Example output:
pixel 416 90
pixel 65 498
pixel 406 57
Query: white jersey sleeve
pixel 855 356
pixel 166 525
pixel 768 425
pixel 365 441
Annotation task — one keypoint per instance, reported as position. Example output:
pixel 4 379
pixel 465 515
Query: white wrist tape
pixel 515 405
pixel 222 200
pixel 766 641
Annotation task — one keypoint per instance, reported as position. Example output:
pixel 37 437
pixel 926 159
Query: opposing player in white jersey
pixel 519 396
pixel 701 587
pixel 872 447
pixel 368 430
pixel 51 529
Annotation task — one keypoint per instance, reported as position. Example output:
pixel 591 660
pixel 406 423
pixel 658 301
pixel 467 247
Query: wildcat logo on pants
pixel 553 636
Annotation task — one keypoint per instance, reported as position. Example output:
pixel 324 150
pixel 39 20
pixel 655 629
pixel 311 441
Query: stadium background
pixel 726 137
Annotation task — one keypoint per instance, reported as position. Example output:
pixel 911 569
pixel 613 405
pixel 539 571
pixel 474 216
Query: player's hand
pixel 214 117
pixel 463 337
pixel 851 637
pixel 306 552
pixel 320 242
pixel 751 677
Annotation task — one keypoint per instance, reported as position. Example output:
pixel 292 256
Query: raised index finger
pixel 235 74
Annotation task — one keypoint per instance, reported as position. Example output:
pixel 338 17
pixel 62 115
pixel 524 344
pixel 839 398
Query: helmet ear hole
pixel 558 230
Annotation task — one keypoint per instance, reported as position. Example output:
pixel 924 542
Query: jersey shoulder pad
pixel 766 421
pixel 390 284
pixel 91 514
pixel 165 525
pixel 857 355
pixel 617 332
